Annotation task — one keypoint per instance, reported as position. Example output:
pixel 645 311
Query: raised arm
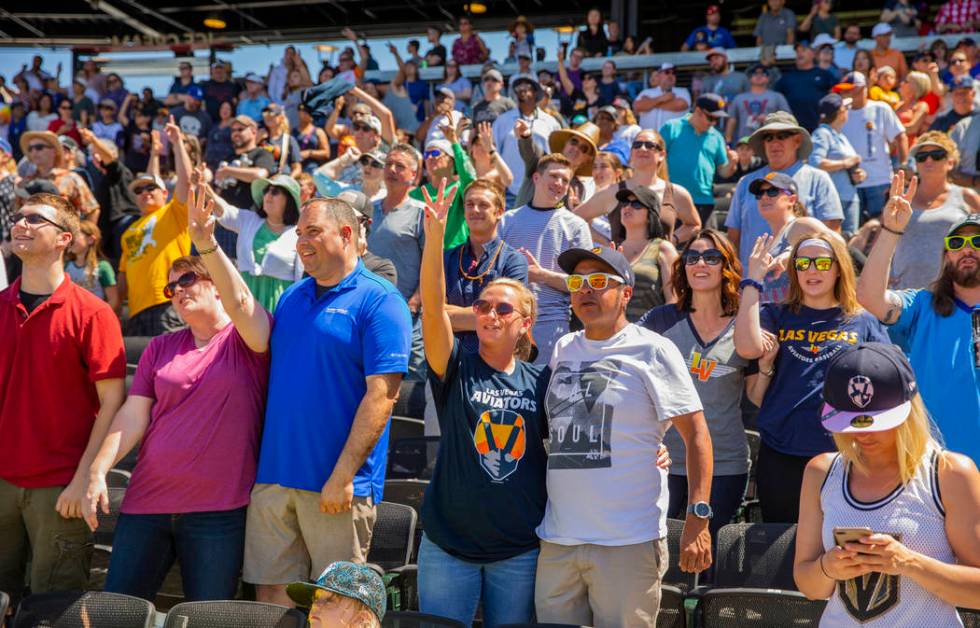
pixel 156 148
pixel 98 146
pixel 749 340
pixel 384 114
pixel 250 319
pixel 437 329
pixel 687 213
pixel 182 160
pixel 601 203
pixel 335 131
pixel 566 83
pixel 333 168
pixel 872 288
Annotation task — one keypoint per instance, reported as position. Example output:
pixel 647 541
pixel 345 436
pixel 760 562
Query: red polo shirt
pixel 50 360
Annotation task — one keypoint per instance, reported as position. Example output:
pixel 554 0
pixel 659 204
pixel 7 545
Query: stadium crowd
pixel 600 283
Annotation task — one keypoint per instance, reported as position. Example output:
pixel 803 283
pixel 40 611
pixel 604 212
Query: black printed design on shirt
pixel 581 424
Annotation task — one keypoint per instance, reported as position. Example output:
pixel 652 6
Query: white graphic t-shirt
pixel 609 403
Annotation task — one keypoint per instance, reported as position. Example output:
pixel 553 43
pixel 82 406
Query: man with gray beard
pixel 938 327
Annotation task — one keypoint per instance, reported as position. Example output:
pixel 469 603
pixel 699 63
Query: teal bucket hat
pixel 283 181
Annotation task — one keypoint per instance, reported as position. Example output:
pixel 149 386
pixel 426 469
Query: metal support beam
pixel 16 20
pixel 125 18
pixel 632 25
pixel 163 18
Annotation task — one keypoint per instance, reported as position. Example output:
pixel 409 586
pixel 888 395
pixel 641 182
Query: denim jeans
pixel 873 200
pixel 852 215
pixel 727 492
pixel 452 587
pixel 209 545
pixel 417 368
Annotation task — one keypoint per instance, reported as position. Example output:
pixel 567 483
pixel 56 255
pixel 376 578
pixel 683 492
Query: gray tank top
pixel 918 257
pixel 913 513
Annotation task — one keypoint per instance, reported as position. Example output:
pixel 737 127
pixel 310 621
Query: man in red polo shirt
pixel 61 381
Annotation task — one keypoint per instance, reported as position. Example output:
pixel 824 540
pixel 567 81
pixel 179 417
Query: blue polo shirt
pixel 322 350
pixel 693 158
pixel 816 192
pixel 940 349
pixel 463 292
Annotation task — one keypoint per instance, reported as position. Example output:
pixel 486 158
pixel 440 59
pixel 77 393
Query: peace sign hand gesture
pixel 898 211
pixel 436 211
pixel 200 211
pixel 760 260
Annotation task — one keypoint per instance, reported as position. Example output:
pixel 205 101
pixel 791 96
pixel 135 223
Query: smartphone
pixel 843 536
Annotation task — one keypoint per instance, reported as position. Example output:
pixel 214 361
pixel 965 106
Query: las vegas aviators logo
pixel 500 438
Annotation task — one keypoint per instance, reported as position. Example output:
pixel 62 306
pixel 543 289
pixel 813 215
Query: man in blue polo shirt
pixel 340 347
pixel 785 145
pixel 939 327
pixel 696 150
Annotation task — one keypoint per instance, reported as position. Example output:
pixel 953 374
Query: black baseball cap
pixel 569 259
pixel 829 105
pixel 712 104
pixel 868 388
pixel 776 180
pixel 643 194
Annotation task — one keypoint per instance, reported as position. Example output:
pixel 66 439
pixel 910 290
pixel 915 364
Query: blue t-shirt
pixel 693 158
pixel 463 292
pixel 718 38
pixel 816 192
pixel 487 493
pixel 323 348
pixel 803 90
pixel 252 107
pixel 829 143
pixel 789 419
pixel 941 351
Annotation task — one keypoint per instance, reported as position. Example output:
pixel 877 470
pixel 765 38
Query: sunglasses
pixel 938 154
pixel 34 220
pixel 782 135
pixel 955 242
pixel 666 71
pixel 106 108
pixel 635 204
pixel 274 191
pixel 484 307
pixel 711 257
pixel 38 147
pixel 432 154
pixel 955 60
pixel 771 193
pixel 368 161
pixel 822 264
pixel 149 187
pixel 638 144
pixel 596 281
pixel 574 141
pixel 185 281
pixel 361 127
pixel 65 107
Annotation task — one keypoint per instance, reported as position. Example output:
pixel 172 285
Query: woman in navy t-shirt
pixel 487 493
pixel 819 317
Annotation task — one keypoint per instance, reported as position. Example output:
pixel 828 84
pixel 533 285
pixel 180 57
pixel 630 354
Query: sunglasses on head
pixel 711 257
pixel 596 281
pixel 34 220
pixel 938 154
pixel 957 242
pixel 771 193
pixel 484 307
pixel 185 281
pixel 38 147
pixel 149 187
pixel 822 264
pixel 365 160
pixel 782 135
pixel 638 144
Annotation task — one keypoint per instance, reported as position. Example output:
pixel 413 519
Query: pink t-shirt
pixel 200 449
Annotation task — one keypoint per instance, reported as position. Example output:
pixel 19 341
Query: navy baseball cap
pixel 830 104
pixel 712 104
pixel 569 259
pixel 776 180
pixel 868 388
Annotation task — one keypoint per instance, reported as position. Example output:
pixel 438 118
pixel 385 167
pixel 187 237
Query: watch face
pixel 702 510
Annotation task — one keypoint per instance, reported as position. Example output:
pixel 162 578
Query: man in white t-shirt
pixel 541 230
pixel 615 389
pixel 874 130
pixel 663 101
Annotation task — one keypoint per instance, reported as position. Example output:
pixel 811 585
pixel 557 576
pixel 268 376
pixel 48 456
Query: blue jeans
pixel 452 587
pixel 852 215
pixel 727 492
pixel 417 367
pixel 209 545
pixel 873 200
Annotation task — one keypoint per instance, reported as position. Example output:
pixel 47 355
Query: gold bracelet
pixel 204 252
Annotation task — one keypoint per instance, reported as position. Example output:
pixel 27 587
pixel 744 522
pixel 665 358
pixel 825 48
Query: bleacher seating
pixel 66 609
pixel 412 458
pixel 233 614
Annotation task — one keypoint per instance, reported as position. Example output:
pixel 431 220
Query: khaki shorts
pixel 288 539
pixel 597 585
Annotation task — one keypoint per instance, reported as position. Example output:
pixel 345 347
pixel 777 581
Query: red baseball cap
pixel 713 8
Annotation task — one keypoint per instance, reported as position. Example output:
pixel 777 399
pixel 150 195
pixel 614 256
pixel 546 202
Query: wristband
pixel 768 374
pixel 203 252
pixel 889 230
pixel 745 283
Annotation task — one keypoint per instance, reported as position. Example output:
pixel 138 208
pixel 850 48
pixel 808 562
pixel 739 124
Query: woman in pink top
pixel 196 403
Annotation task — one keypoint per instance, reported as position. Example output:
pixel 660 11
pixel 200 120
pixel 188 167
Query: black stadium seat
pixel 407 619
pixel 412 458
pixel 411 400
pixel 72 609
pixel 233 614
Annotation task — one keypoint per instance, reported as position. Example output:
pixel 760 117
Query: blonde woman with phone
pixel 889 528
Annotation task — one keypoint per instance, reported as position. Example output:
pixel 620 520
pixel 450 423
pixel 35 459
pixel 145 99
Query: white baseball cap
pixel 881 28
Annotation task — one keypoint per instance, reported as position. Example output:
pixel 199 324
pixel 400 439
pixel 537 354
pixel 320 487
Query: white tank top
pixel 914 514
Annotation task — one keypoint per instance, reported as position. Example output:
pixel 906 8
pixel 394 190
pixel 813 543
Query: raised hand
pixel 348 33
pixel 172 130
pixel 200 211
pixel 898 210
pixel 485 132
pixel 521 128
pixel 437 210
pixel 156 144
pixel 449 131
pixel 760 260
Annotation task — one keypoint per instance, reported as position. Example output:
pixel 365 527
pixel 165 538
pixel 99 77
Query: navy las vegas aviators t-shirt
pixel 789 419
pixel 487 493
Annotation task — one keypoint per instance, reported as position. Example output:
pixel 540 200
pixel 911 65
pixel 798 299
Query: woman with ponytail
pixel 487 493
